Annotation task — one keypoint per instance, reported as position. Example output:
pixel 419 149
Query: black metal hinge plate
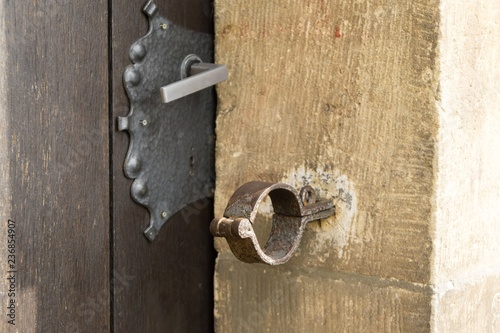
pixel 171 151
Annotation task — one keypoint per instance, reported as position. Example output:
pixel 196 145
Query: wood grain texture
pixel 321 91
pixel 55 125
pixel 168 283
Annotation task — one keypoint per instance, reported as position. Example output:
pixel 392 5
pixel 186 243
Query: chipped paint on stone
pixel 332 234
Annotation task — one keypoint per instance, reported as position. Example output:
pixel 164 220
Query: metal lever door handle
pixel 203 75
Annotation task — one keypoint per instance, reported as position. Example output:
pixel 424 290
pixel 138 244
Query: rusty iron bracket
pixel 292 211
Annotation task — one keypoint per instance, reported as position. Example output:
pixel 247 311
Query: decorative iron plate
pixel 171 151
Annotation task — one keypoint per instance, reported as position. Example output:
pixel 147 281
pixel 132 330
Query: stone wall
pixel 466 261
pixel 352 98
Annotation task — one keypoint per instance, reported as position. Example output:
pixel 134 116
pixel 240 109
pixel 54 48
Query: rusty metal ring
pixel 292 211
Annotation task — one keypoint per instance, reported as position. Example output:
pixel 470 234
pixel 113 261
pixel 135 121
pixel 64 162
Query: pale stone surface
pixel 394 102
pixel 467 234
pixel 469 307
pixel 466 258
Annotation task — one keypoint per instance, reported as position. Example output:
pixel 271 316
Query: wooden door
pixel 82 263
pixel 168 283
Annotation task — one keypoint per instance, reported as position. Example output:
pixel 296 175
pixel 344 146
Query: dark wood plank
pixel 55 108
pixel 169 283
